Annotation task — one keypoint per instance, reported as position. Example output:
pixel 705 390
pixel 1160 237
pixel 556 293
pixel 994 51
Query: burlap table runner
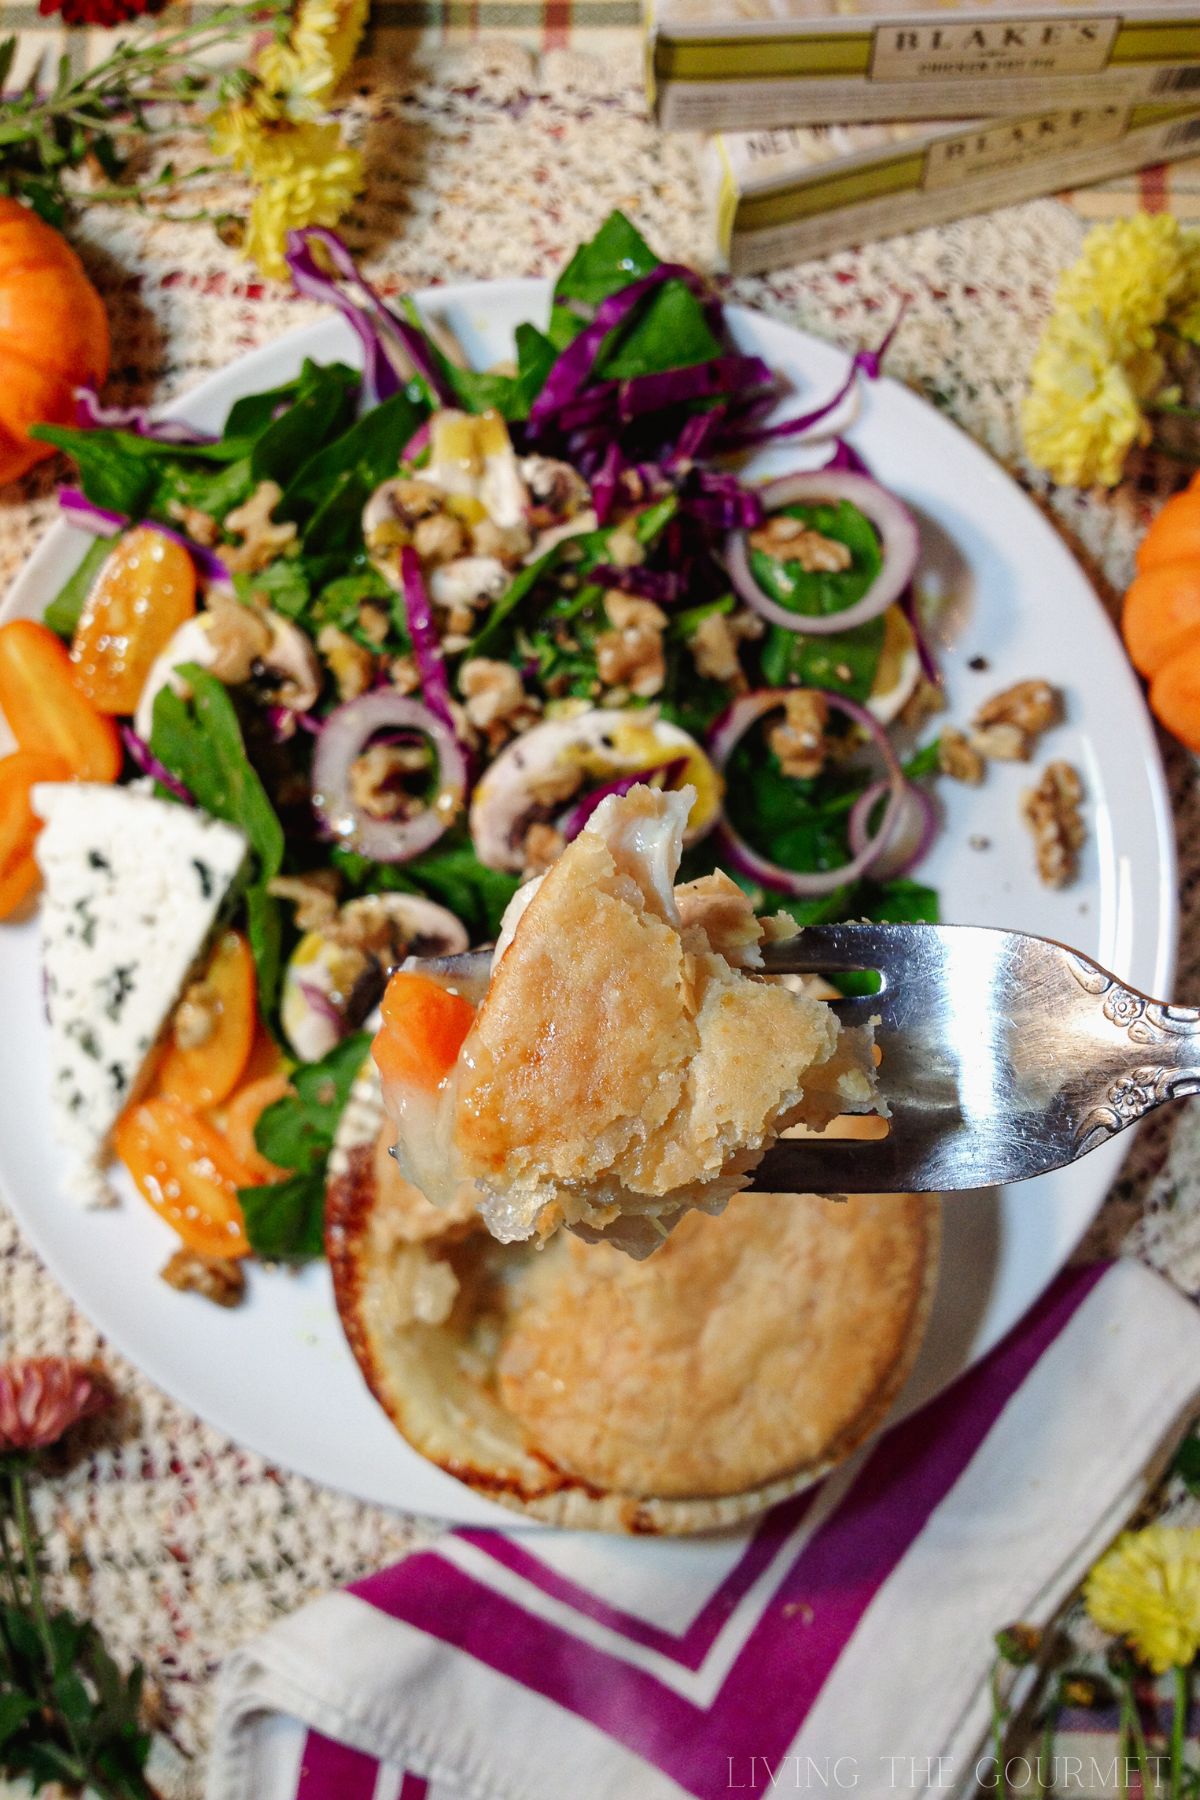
pixel 488 161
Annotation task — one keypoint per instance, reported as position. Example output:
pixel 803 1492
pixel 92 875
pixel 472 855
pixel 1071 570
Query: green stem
pixel 1139 1740
pixel 999 1718
pixel 1179 1731
pixel 25 1531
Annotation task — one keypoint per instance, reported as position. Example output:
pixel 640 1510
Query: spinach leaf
pixel 847 661
pixel 899 902
pixel 200 741
pixel 536 356
pixel 617 256
pixel 490 634
pixel 924 761
pixel 340 603
pixel 451 874
pixel 320 410
pixel 667 331
pixel 328 492
pixel 62 614
pixel 285 1220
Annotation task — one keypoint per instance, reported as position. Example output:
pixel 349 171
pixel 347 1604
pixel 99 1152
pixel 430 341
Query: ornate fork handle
pixel 1163 1056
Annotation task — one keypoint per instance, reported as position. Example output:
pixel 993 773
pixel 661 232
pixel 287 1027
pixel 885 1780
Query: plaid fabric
pixel 394 24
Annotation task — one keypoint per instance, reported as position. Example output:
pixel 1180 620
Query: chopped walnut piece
pixel 925 700
pixel 378 781
pixel 201 527
pixel 217 1278
pixel 439 538
pixel 543 846
pixel 263 538
pixel 196 1016
pixel 714 649
pixel 374 620
pixel 1031 706
pixel 350 663
pixel 405 675
pixel 799 740
pixel 958 758
pixel 791 540
pixel 314 897
pixel 631 654
pixel 625 548
pixel 493 691
pixel 510 544
pixel 1001 743
pixel 1051 810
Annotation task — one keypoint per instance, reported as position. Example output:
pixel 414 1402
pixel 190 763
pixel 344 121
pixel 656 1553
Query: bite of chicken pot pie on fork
pixel 627 1062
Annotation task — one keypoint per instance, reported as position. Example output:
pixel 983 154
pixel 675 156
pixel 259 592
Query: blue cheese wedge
pixel 134 889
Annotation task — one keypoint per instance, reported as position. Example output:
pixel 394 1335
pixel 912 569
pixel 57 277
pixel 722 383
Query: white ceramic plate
pixel 276 1374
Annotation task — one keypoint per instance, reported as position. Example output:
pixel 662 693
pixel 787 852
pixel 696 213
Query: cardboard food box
pixel 781 196
pixel 736 65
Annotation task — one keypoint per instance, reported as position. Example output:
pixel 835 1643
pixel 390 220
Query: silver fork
pixel 1003 1056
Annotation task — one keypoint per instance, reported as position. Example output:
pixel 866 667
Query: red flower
pixel 105 13
pixel 41 1397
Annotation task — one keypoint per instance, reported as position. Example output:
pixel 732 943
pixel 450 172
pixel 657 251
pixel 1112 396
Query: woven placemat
pixel 486 162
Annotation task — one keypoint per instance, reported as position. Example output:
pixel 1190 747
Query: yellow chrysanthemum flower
pixel 1147 1590
pixel 304 70
pixel 1082 413
pixel 1128 276
pixel 306 191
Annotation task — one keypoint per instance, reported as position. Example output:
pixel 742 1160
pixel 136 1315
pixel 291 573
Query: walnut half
pixel 1007 725
pixel 220 1279
pixel 1051 810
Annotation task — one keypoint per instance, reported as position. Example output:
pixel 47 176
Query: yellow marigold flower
pixel 1128 275
pixel 1081 415
pixel 304 192
pixel 1147 1589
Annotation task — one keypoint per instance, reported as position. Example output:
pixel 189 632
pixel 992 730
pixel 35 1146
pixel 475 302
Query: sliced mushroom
pixel 336 976
pixel 289 673
pixel 541 772
pixel 468 580
pixel 191 643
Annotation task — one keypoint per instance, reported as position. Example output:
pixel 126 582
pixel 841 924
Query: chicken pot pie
pixel 583 1387
pixel 627 1063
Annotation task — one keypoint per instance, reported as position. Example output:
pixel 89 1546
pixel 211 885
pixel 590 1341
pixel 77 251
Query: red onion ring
pixel 427 645
pixel 898 539
pixel 915 830
pixel 723 739
pixel 145 760
pixel 344 736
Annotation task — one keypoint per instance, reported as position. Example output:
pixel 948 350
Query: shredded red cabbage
pixel 137 419
pixel 863 362
pixel 663 586
pixel 426 643
pixel 143 756
pixel 81 511
pixel 373 321
pixel 569 375
pixel 720 500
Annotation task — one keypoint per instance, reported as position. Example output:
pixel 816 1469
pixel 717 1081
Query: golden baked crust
pixel 761 1348
pixel 746 1346
pixel 624 1066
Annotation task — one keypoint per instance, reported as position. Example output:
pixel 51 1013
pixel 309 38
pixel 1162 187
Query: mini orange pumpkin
pixel 53 334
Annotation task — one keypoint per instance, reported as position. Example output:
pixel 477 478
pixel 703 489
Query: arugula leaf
pixel 452 874
pixel 667 331
pixel 285 1219
pixel 847 661
pixel 327 493
pixel 62 614
pixel 283 586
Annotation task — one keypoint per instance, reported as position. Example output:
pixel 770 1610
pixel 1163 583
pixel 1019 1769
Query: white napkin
pixel 843 1644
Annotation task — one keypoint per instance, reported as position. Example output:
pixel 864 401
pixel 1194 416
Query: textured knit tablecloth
pixel 490 161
